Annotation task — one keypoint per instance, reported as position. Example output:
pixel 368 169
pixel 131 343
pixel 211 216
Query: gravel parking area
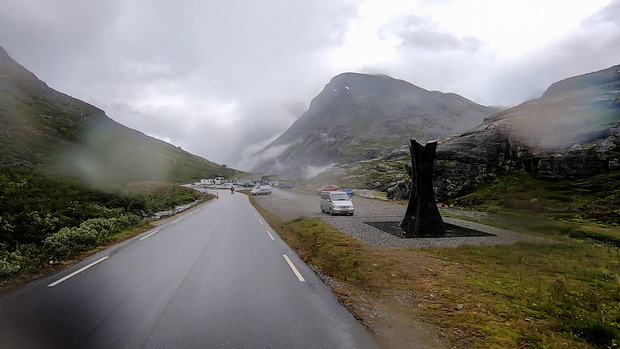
pixel 291 204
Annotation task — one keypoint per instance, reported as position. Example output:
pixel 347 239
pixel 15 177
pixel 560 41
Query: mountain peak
pixel 9 68
pixel 360 116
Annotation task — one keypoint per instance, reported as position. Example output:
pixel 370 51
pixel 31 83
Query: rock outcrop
pixel 571 132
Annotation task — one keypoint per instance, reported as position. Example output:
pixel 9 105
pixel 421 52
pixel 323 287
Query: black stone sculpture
pixel 422 217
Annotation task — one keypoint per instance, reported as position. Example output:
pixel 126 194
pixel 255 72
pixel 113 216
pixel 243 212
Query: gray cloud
pixel 610 14
pixel 591 47
pixel 222 79
pixel 421 32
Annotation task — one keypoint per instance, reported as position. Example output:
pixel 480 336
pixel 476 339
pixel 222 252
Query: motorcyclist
pixel 232 189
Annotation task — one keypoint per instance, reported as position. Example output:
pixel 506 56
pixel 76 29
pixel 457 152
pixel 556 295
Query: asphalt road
pixel 218 277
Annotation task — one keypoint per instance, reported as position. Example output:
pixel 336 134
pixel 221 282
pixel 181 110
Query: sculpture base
pixel 452 231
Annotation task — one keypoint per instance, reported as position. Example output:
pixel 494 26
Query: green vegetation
pixel 560 294
pixel 535 295
pixel 47 217
pixel 58 133
pixel 594 203
pixel 72 179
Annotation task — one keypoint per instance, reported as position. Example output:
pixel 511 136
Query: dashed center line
pixel 290 264
pixel 77 272
pixel 146 236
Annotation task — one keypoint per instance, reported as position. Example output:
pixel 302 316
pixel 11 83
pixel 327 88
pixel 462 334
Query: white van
pixel 336 202
pixel 261 189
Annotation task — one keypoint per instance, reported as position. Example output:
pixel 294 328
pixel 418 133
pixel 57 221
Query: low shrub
pixel 8 266
pixel 70 241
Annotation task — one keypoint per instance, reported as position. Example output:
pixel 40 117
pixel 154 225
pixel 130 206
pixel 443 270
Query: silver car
pixel 336 202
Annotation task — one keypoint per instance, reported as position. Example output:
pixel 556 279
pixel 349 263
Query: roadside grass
pixel 564 294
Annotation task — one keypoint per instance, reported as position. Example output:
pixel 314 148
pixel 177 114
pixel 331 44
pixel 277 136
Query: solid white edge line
pixel 290 264
pixel 271 236
pixel 146 236
pixel 77 272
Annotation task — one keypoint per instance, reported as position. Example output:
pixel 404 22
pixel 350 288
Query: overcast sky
pixel 224 78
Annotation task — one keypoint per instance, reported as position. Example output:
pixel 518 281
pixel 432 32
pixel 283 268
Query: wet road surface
pixel 217 277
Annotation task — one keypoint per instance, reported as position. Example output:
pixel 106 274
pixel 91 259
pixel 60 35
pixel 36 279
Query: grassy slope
pixel 558 295
pixel 593 203
pixel 45 128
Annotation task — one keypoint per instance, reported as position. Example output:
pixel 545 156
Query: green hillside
pixel 45 128
pixel 72 179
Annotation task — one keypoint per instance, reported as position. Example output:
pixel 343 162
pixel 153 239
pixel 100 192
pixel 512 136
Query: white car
pixel 262 189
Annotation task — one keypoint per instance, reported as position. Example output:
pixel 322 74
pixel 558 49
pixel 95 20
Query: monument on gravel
pixel 422 218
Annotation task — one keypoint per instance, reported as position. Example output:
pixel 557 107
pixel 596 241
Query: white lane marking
pixel 77 272
pixel 271 236
pixel 290 264
pixel 256 215
pixel 261 222
pixel 146 236
pixel 176 221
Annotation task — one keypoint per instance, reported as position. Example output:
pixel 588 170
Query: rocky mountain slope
pixel 571 132
pixel 359 116
pixel 43 128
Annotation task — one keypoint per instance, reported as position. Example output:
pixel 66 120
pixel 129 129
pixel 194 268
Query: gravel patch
pixel 290 205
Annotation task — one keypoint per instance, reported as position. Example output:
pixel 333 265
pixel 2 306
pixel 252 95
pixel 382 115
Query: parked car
pixel 285 185
pixel 260 190
pixel 349 191
pixel 330 187
pixel 336 202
